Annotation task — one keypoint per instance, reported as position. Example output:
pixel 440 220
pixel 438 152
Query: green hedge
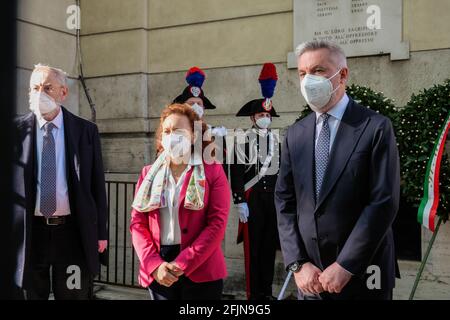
pixel 418 125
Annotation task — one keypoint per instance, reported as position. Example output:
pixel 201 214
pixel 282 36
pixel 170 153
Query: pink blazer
pixel 202 231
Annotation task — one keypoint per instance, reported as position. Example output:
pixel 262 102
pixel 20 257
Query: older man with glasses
pixel 60 200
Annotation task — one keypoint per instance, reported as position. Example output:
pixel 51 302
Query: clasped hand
pixel 311 280
pixel 167 273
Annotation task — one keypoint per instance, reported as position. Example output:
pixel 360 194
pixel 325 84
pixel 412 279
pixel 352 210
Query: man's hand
pixel 102 244
pixel 175 269
pixel 307 279
pixel 334 278
pixel 243 211
pixel 164 276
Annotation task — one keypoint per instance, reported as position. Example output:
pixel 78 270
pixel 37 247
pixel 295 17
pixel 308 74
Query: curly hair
pixel 186 110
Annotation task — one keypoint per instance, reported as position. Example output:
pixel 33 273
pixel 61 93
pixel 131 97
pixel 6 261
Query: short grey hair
pixel 60 75
pixel 334 49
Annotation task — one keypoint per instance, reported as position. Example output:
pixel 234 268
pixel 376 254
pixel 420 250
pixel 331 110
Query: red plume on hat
pixel 268 80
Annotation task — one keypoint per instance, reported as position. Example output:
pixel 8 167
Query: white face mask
pixel 317 90
pixel 198 110
pixel 263 123
pixel 41 103
pixel 177 145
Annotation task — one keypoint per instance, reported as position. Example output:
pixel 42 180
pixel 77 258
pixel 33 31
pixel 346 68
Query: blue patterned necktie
pixel 48 172
pixel 322 152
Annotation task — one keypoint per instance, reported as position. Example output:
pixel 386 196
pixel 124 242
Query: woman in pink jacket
pixel 180 213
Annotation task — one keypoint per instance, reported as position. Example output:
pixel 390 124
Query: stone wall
pixel 43 37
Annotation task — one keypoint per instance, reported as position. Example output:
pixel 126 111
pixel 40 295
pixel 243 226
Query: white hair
pixel 60 75
pixel 335 50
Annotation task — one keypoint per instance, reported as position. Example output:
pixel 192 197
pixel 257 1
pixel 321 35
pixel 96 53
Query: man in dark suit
pixel 60 209
pixel 338 188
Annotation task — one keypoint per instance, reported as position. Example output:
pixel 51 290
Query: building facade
pixel 136 53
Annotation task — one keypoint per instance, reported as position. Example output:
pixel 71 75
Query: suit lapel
pixel 306 152
pixel 28 139
pixel 349 132
pixel 156 229
pixel 72 135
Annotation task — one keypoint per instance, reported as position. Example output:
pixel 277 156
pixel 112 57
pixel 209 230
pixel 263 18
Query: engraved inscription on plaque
pixel 360 27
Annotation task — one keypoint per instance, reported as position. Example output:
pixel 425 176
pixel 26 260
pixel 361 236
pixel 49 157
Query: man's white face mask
pixel 317 90
pixel 264 122
pixel 41 103
pixel 198 109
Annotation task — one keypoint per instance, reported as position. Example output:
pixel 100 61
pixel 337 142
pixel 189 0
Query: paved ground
pixel 107 292
pixel 430 287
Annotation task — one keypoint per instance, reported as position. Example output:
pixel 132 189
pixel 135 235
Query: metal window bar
pixel 124 234
pixel 109 223
pixel 116 246
pixel 118 272
pixel 132 253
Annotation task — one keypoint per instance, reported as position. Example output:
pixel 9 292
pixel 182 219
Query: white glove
pixel 243 211
pixel 219 131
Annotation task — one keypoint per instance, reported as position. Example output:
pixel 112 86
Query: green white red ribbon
pixel 430 201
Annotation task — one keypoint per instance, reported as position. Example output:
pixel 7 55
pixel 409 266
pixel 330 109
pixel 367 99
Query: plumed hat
pixel 195 78
pixel 267 80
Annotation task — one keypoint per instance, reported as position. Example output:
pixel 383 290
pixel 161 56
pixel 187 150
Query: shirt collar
pixel 260 132
pixel 195 159
pixel 338 110
pixel 58 121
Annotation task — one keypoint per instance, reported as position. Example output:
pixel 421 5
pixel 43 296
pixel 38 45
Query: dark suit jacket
pixel 351 221
pixel 85 180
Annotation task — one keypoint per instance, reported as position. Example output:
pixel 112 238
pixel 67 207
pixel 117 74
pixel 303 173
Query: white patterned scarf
pixel 151 193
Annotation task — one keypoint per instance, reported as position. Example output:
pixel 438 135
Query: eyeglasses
pixel 47 88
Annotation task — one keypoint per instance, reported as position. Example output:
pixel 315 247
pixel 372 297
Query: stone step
pixel 113 292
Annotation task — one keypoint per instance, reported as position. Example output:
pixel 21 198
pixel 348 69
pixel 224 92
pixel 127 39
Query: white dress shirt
pixel 336 113
pixel 169 216
pixel 62 192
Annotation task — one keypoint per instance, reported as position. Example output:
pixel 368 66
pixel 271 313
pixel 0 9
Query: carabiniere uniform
pixel 254 182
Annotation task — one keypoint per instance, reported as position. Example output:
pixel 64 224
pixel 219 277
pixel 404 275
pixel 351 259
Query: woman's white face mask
pixel 317 90
pixel 178 146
